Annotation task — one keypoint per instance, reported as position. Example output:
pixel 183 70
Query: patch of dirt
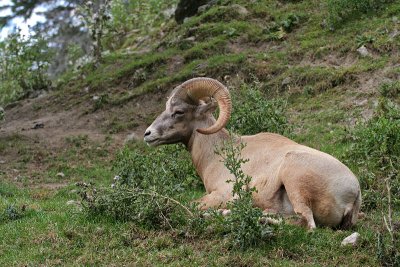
pixel 36 130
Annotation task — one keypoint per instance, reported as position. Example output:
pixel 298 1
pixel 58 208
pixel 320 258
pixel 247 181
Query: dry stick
pixel 153 194
pixel 388 222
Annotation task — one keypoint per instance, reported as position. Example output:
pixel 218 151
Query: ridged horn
pixel 198 88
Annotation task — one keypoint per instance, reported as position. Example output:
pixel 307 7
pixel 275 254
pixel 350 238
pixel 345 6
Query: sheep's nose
pixel 147 133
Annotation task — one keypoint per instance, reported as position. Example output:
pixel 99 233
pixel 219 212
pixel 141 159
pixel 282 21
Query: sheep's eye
pixel 178 113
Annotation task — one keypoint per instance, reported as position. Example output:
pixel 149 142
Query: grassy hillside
pixel 301 58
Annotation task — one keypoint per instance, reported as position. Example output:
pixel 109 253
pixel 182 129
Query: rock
pixel 268 220
pixel 202 8
pixel 226 212
pixel 96 97
pixel 2 161
pixel 351 239
pixel 363 51
pixel 188 8
pixel 206 215
pixel 286 81
pixel 241 10
pixel 60 174
pixel 73 202
pixel 362 102
pixel 37 94
pixel 38 125
pixel 167 13
pixel 394 34
pixel 190 39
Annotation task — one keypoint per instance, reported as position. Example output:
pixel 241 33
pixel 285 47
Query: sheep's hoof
pixel 225 212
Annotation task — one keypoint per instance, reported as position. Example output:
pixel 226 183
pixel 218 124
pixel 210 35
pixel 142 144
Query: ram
pixel 290 179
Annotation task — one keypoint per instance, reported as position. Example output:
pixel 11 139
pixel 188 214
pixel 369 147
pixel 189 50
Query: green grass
pixel 52 232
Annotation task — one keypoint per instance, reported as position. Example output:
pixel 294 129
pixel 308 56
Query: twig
pixel 153 193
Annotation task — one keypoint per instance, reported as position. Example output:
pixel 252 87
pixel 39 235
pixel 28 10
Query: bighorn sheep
pixel 290 178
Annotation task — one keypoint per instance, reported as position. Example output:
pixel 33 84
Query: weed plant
pixel 23 66
pixel 148 189
pixel 375 151
pixel 245 229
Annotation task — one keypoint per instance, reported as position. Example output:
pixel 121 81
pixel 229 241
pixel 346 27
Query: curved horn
pixel 198 88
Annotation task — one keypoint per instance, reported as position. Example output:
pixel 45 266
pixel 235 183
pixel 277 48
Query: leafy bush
pixel 254 113
pixel 12 213
pixel 140 16
pixel 341 10
pixel 243 224
pixel 148 189
pixel 278 30
pixel 23 66
pixel 375 151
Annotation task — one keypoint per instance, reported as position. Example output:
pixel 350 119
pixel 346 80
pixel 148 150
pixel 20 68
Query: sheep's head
pixel 186 111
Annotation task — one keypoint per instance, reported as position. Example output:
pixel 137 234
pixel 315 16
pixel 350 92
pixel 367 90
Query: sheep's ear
pixel 204 107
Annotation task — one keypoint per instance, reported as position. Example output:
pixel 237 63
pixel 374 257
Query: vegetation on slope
pixel 285 66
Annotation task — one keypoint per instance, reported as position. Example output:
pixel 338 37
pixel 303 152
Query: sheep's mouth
pixel 152 142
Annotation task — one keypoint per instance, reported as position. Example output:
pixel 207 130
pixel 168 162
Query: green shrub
pixel 254 113
pixel 168 168
pixel 23 66
pixel 12 213
pixel 375 151
pixel 341 10
pixel 148 188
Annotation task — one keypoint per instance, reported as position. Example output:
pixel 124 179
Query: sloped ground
pixel 71 134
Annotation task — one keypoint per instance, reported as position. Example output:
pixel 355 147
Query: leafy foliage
pixel 148 188
pixel 278 30
pixel 254 113
pixel 96 20
pixel 12 213
pixel 243 224
pixel 341 10
pixel 376 151
pixel 23 66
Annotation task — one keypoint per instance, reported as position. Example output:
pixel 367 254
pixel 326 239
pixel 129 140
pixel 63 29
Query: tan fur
pixel 318 186
pixel 290 178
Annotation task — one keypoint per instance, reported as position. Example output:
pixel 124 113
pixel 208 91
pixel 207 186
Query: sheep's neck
pixel 202 148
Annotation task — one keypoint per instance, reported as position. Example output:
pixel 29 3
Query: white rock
pixel 351 239
pixel 241 10
pixel 72 202
pixel 168 12
pixel 363 51
pixel 2 161
pixel 286 81
pixel 226 212
pixel 60 174
pixel 96 97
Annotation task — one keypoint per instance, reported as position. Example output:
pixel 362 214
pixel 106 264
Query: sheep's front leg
pixel 213 200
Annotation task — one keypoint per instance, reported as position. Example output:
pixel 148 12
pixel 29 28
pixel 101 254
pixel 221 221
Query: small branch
pixel 153 194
